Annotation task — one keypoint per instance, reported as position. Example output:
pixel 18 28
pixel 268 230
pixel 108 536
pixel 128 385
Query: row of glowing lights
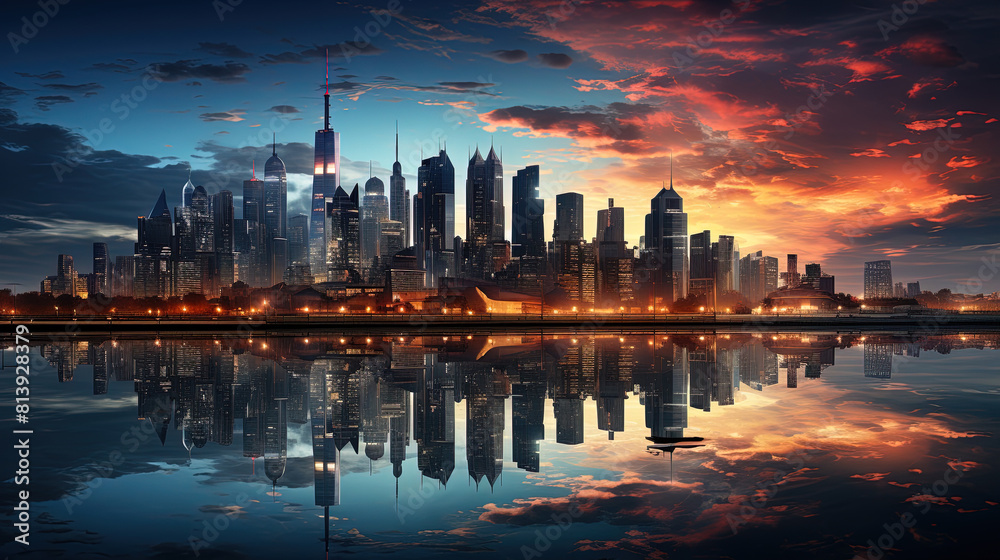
pixel 368 309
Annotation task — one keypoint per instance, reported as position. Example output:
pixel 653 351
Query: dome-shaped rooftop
pixel 374 186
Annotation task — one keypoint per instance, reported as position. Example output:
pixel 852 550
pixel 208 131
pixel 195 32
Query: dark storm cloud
pixel 45 102
pixel 223 49
pixel 337 51
pixel 284 109
pixel 555 60
pixel 36 225
pixel 510 57
pixel 229 72
pixel 53 75
pixel 298 158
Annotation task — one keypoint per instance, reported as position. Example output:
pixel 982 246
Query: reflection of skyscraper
pixel 614 379
pixel 326 454
pixel 485 419
pixel 878 360
pixel 663 386
pixel 528 410
pixel 275 423
pixel 434 420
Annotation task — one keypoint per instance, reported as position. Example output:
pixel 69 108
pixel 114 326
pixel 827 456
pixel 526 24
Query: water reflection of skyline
pixel 366 392
pixel 386 396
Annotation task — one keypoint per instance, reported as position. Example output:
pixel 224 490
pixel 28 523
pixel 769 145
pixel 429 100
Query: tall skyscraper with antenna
pixel 326 179
pixel 275 195
pixel 666 239
pixel 399 197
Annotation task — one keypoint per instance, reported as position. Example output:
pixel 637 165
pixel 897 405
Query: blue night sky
pixel 597 93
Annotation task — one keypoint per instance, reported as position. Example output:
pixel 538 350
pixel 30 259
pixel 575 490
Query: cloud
pixel 555 60
pixel 229 72
pixel 9 93
pixel 929 51
pixel 337 51
pixel 510 57
pixel 45 102
pixel 88 87
pixel 53 75
pixel 110 67
pixel 284 109
pixel 870 152
pixel 229 116
pixel 223 49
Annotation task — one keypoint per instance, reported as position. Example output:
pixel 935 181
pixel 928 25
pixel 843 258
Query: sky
pixel 842 132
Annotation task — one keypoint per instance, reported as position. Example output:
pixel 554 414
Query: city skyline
pixel 934 227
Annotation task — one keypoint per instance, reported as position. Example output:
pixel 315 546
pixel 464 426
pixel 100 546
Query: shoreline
pixel 291 324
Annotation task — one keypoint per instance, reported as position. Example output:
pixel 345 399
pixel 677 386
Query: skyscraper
pixel 153 251
pixel 569 217
pixel 399 197
pixel 343 242
pixel 187 190
pixel 434 217
pixel 527 227
pixel 223 215
pixel 878 279
pixel 567 229
pixel 792 271
pixel 758 276
pixel 326 180
pixel 484 212
pixel 374 211
pixel 275 196
pixel 298 231
pixel 702 263
pixel 614 263
pixel 254 254
pixel 102 270
pixel 666 241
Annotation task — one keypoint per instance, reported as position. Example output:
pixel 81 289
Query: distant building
pixel 758 276
pixel 878 279
pixel 913 289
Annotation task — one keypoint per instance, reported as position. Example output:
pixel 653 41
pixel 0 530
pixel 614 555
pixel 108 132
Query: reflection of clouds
pixel 776 443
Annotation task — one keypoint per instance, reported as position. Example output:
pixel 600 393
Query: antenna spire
pixel 369 169
pixel 326 96
pixel 253 169
pixel 397 140
pixel 274 141
pixel 671 180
